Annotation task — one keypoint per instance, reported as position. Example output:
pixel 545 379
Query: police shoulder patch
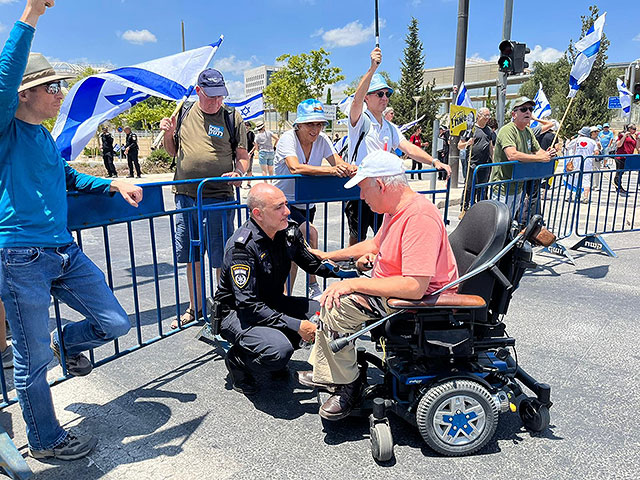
pixel 240 273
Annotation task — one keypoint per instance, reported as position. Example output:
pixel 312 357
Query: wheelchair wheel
pixel 535 416
pixel 381 442
pixel 457 417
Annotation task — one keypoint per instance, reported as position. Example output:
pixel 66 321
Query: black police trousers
pixel 267 348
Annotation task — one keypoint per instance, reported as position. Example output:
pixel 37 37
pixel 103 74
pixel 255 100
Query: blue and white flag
pixel 409 125
pixel 341 143
pixel 345 104
pixel 103 96
pixel 542 108
pixel 249 108
pixel 463 98
pixel 625 97
pixel 587 47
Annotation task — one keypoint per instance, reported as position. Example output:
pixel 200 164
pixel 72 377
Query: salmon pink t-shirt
pixel 414 242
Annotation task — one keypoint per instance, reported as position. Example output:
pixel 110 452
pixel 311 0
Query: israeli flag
pixel 463 98
pixel 345 104
pixel 587 48
pixel 625 97
pixel 408 126
pixel 249 108
pixel 341 143
pixel 542 108
pixel 103 96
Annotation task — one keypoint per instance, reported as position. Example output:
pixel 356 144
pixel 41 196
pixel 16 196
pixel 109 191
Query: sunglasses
pixel 525 109
pixel 54 87
pixel 381 94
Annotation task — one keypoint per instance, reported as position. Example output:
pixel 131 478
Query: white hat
pixel 377 164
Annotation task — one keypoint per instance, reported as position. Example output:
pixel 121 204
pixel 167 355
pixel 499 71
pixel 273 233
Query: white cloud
pixel 476 58
pixel 236 89
pixel 139 37
pixel 317 33
pixel 232 65
pixel 2 27
pixel 545 55
pixel 637 38
pixel 351 34
pixel 4 2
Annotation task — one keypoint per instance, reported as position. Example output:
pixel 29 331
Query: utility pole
pixel 501 91
pixel 458 78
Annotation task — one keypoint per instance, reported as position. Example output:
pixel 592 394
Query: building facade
pixel 256 79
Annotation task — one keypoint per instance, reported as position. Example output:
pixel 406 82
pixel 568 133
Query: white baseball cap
pixel 377 164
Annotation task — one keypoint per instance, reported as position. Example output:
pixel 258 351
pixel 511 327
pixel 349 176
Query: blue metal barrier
pixel 608 206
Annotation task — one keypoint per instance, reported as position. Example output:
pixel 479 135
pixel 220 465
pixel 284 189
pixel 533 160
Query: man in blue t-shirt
pixel 38 257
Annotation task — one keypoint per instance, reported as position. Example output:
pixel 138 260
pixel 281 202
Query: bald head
pixel 268 208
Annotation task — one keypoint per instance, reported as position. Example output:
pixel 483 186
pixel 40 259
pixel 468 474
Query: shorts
pixel 265 157
pixel 217 233
pixel 299 215
pixel 360 219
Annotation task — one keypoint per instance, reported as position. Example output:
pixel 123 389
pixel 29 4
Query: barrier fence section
pixel 584 198
pixel 609 184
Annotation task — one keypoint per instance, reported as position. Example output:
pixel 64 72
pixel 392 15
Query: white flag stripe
pixel 625 97
pixel 463 97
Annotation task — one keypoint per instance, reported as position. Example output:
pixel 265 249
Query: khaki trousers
pixel 355 309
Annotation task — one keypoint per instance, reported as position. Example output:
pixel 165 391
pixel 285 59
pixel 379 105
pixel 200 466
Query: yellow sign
pixel 461 119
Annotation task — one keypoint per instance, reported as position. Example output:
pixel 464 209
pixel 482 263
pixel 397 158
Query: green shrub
pixel 159 157
pixel 91 152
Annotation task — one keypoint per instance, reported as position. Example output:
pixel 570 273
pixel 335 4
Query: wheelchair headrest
pixel 481 234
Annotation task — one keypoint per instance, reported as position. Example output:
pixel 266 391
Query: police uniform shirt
pixel 107 142
pixel 132 142
pixel 254 272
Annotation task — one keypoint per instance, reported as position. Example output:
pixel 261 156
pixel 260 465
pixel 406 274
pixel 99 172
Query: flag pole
pixel 377 26
pixel 555 138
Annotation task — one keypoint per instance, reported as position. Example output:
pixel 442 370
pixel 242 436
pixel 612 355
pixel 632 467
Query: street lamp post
pixel 417 100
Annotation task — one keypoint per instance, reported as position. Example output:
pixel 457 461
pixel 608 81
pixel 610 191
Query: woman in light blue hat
pixel 302 150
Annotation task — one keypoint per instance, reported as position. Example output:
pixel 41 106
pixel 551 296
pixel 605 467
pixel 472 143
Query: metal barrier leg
pixel 561 250
pixel 11 460
pixel 595 242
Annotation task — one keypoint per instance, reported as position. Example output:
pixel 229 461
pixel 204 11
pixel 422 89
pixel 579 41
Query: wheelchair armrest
pixel 444 300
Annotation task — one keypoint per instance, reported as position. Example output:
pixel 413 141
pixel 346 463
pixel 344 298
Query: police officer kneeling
pixel 264 325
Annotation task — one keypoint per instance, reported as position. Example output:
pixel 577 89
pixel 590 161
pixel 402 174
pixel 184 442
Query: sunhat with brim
pixel 585 131
pixel 606 125
pixel 310 110
pixel 377 164
pixel 259 125
pixel 599 127
pixel 378 83
pixel 38 72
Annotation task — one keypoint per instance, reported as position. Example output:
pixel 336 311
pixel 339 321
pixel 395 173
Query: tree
pixel 411 84
pixel 590 104
pixel 147 114
pixel 304 76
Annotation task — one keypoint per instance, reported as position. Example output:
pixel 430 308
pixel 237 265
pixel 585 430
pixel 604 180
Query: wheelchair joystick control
pixel 338 344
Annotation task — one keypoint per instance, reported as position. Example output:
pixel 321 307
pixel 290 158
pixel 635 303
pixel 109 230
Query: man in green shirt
pixel 516 142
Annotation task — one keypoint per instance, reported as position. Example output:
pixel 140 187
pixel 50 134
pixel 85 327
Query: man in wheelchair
pixel 410 256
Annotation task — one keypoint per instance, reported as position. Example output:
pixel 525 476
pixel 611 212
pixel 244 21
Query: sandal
pixel 186 318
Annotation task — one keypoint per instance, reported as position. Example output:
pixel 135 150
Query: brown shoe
pixel 306 378
pixel 340 404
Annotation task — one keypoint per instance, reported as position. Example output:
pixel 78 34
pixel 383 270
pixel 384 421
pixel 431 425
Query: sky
pixel 127 32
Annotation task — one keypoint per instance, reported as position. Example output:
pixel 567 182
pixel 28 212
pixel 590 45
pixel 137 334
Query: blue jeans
pixel 28 278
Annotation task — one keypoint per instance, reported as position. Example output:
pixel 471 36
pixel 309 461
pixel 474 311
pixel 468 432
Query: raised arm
pixel 358 99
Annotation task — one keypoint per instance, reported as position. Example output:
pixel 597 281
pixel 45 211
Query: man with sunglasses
pixel 516 142
pixel 370 131
pixel 38 257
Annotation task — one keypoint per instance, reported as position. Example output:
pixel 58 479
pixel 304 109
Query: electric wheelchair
pixel 447 364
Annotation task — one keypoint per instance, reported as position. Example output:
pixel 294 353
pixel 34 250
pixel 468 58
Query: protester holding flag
pixel 207 140
pixel 370 131
pixel 39 256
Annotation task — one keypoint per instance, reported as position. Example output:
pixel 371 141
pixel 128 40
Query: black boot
pixel 241 378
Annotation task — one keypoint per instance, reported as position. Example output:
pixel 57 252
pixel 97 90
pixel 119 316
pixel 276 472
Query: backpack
pixel 366 125
pixel 229 121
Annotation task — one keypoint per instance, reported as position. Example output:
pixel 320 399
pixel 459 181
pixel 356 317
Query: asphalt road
pixel 167 410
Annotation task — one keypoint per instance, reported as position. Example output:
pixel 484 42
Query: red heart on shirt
pixel 583 144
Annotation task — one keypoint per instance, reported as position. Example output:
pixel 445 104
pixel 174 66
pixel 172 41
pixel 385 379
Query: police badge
pixel 240 274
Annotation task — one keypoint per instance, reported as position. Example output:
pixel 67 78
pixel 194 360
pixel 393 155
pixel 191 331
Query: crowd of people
pixel 408 255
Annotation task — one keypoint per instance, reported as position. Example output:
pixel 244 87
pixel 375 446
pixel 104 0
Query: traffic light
pixel 505 62
pixel 519 52
pixel 636 92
